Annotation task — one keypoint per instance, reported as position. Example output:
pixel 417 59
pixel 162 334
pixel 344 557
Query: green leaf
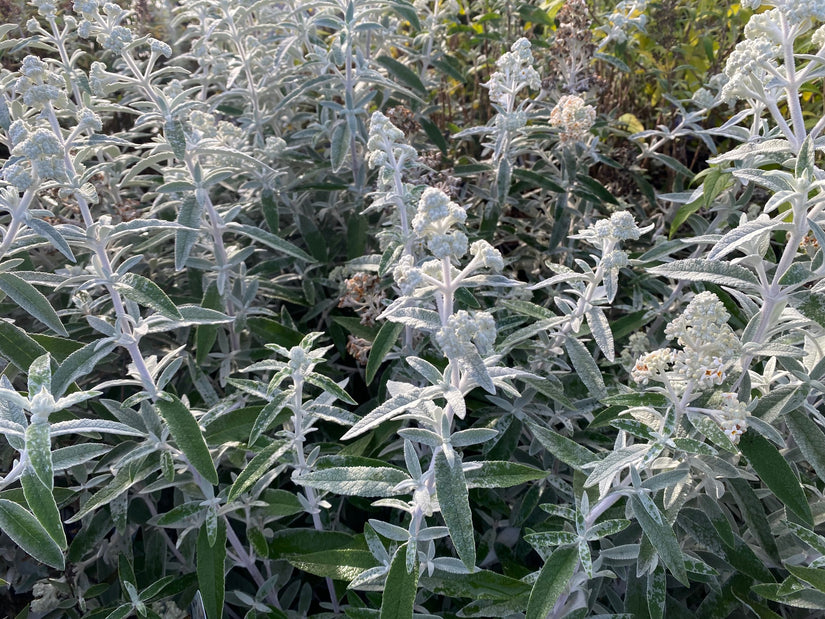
pixel 355 480
pixel 498 474
pixel 435 135
pixel 260 464
pixel 552 581
pixel 39 451
pixel 41 501
pixel 211 581
pixel 270 240
pixel 339 145
pixel 338 563
pixel 402 73
pixel 585 366
pixel 381 346
pixel 809 438
pixel 189 216
pixel 296 542
pixel 776 474
pixel 453 498
pixel 562 448
pixel 543 180
pixel 400 588
pixel 17 347
pixel 328 385
pixel 124 479
pixel 812 576
pixel 80 363
pixel 25 531
pixel 480 585
pixel 753 513
pixel 700 270
pixel 268 414
pixel 662 537
pixel 145 292
pixel 32 301
pixel 188 436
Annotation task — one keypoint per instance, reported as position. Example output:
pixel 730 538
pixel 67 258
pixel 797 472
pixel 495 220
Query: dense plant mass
pixel 379 308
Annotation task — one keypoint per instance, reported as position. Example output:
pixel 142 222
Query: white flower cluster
pixel 386 145
pixel 794 10
pixel 626 15
pixel 435 217
pixel 710 348
pixel 733 416
pixel 573 117
pixel 515 72
pixel 489 256
pixel 37 84
pixel 35 153
pixel 606 233
pixel 747 67
pixel 466 333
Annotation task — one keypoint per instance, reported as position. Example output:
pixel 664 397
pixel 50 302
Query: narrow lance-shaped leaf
pixel 211 581
pixel 552 581
pixel 25 531
pixel 661 535
pixel 585 366
pixel 41 501
pixel 453 499
pixel 400 588
pixel 381 346
pixel 188 436
pixel 39 451
pixel 260 464
pixel 145 292
pixel 810 439
pixel 776 473
pixel 366 481
pixel 189 215
pixel 32 301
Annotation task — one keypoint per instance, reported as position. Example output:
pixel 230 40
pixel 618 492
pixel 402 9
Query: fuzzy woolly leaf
pixel 776 474
pixel 355 480
pixel 32 301
pixel 661 535
pixel 145 292
pixel 553 578
pixel 211 581
pixel 188 436
pixel 700 270
pixel 400 588
pixel 260 464
pixel 25 531
pixel 451 487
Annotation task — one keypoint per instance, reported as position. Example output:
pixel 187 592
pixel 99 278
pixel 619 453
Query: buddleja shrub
pixel 278 345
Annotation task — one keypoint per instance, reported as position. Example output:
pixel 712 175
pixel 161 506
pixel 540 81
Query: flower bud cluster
pixel 573 117
pixel 794 10
pixel 37 85
pixel 626 15
pixel 385 138
pixel 710 347
pixel 435 217
pixel 747 67
pixel 515 72
pixel 606 233
pixel 36 153
pixel 466 333
pixel 489 256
